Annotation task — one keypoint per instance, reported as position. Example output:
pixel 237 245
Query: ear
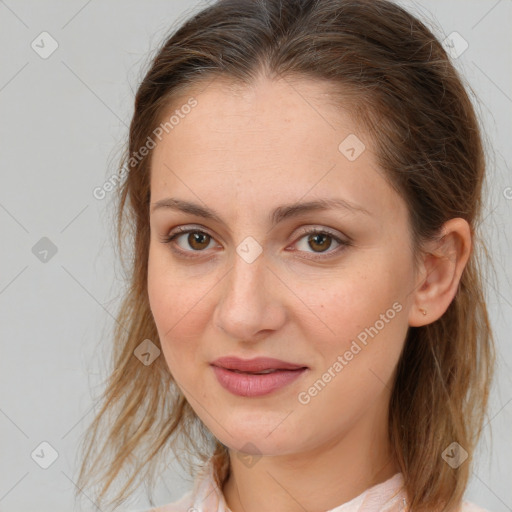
pixel 440 271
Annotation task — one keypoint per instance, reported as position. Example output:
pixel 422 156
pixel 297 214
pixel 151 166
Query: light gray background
pixel 62 123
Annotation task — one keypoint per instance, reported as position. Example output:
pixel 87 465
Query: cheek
pixel 344 304
pixel 356 363
pixel 359 314
pixel 171 300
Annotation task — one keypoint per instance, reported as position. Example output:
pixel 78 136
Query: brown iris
pixel 323 244
pixel 198 238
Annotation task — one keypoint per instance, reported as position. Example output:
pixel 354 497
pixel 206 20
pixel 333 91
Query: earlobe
pixel 442 266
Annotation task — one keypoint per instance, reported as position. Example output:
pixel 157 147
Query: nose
pixel 249 306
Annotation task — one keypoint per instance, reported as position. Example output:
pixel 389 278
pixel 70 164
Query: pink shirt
pixel 384 497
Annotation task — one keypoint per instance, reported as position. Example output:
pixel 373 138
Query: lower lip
pixel 245 384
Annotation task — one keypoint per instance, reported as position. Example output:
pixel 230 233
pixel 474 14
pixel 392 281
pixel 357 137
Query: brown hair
pixel 412 103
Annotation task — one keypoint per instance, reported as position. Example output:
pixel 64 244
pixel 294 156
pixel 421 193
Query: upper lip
pixel 257 364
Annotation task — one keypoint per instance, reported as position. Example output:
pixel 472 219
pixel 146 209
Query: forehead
pixel 272 138
pixel 230 115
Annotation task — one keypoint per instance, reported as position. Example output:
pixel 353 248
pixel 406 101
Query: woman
pixel 306 313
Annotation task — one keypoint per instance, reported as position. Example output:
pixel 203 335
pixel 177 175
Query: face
pixel 238 284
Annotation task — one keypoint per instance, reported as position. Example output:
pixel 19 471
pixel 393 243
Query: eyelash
pixel 169 239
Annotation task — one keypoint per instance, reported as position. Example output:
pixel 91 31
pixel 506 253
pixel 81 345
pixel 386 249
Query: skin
pixel 242 152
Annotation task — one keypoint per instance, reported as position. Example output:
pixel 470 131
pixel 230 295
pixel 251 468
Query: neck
pixel 315 480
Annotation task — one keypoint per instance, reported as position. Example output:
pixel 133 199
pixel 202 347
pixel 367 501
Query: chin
pixel 256 438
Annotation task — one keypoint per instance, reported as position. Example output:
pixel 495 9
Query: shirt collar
pixel 388 496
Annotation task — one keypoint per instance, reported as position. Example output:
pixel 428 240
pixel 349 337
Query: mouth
pixel 258 365
pixel 256 377
pixel 263 372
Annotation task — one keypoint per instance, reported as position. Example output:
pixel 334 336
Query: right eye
pixel 197 239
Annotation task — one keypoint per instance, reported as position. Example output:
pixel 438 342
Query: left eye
pixel 318 240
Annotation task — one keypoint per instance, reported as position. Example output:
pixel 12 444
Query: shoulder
pixel 471 507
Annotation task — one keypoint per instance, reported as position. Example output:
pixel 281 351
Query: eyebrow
pixel 279 214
